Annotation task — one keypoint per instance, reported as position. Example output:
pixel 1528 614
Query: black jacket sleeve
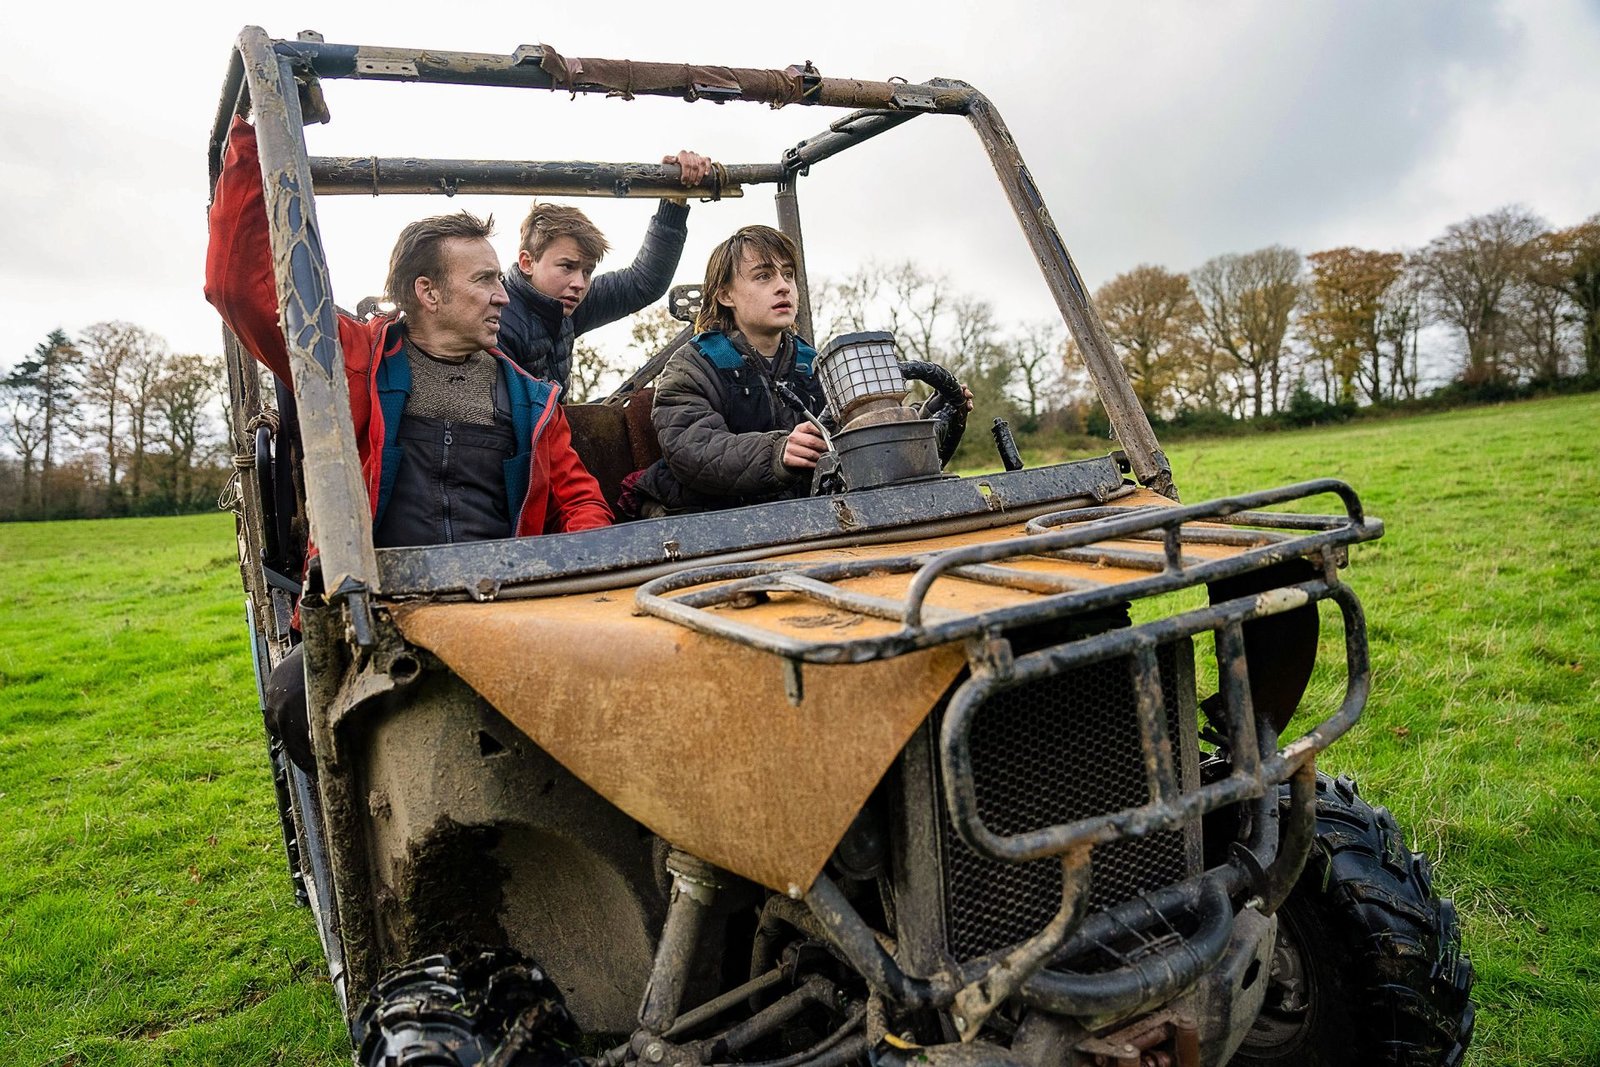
pixel 647 279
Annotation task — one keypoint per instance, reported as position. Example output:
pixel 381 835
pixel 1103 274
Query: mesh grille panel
pixel 1048 752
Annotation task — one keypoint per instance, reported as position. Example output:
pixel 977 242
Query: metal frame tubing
pixel 677 80
pixel 370 175
pixel 815 581
pixel 336 497
pixel 1167 808
pixel 1127 416
pixel 788 206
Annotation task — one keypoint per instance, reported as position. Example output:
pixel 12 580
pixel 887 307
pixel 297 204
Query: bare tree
pixel 919 308
pixel 592 368
pixel 111 348
pixel 653 330
pixel 1400 322
pixel 52 377
pixel 189 385
pixel 846 304
pixel 1568 261
pixel 141 380
pixel 1248 300
pixel 1540 317
pixel 1038 354
pixel 918 305
pixel 974 349
pixel 1156 326
pixel 24 431
pixel 1469 272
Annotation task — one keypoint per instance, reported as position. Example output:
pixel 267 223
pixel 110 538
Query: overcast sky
pixel 1160 133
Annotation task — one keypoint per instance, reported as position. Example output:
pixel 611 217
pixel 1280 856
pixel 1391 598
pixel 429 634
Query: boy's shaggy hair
pixel 764 245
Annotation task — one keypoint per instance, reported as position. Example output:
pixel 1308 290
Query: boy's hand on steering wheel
pixel 803 447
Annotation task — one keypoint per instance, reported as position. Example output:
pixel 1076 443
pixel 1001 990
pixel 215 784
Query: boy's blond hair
pixel 551 222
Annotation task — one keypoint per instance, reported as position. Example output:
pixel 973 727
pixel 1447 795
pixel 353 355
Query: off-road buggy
pixel 884 774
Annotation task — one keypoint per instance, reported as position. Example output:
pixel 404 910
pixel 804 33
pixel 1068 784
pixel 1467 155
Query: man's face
pixel 761 296
pixel 466 315
pixel 562 273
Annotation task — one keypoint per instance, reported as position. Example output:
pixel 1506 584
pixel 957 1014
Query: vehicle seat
pixel 614 440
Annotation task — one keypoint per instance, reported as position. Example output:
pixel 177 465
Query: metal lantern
pixel 857 369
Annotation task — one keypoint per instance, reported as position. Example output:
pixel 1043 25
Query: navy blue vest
pixel 752 407
pixel 523 397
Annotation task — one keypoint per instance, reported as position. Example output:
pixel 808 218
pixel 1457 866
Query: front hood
pixel 693 735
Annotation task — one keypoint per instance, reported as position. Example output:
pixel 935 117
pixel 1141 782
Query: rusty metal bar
pixel 234 101
pixel 915 633
pixel 1274 520
pixel 1127 417
pixel 1113 527
pixel 856 942
pixel 523 68
pixel 1233 681
pixel 1154 739
pixel 336 498
pixel 1156 976
pixel 613 557
pixel 1299 833
pixel 843 133
pixel 789 222
pixel 369 175
pixel 1025 581
pixel 1001 974
pixel 1358 674
pixel 694 890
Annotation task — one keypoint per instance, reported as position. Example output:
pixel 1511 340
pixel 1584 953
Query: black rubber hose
pixel 947 406
pixel 1156 976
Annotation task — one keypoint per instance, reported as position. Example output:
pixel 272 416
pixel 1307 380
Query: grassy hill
pixel 146 912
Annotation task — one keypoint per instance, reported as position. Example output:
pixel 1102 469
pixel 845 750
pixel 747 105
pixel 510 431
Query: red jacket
pixel 562 495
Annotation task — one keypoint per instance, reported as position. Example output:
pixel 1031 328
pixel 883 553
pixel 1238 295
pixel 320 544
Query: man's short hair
pixel 417 253
pixel 764 244
pixel 551 222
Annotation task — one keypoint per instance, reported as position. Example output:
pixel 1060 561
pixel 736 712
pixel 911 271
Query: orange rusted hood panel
pixel 693 735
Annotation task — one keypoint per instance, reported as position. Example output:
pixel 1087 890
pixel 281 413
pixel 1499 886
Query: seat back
pixel 614 440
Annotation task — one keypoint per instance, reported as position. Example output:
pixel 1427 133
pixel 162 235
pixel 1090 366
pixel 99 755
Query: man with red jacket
pixel 457 443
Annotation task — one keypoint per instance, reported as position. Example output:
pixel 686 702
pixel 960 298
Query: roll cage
pixel 278 82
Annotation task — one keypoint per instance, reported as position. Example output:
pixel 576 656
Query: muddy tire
pixel 1368 968
pixel 458 1010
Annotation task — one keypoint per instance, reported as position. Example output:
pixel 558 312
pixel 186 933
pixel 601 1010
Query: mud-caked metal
pixel 884 775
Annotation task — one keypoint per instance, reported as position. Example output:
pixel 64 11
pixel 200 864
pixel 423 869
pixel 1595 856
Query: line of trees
pixel 110 423
pixel 1507 303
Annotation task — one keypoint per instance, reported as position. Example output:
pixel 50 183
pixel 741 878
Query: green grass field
pixel 145 912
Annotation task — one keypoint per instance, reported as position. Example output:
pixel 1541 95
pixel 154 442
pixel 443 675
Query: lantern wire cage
pixel 857 368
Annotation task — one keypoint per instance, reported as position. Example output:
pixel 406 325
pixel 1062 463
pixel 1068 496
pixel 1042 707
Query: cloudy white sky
pixel 1160 132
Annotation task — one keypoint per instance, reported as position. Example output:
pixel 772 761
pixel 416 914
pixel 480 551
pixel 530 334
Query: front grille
pixel 1048 752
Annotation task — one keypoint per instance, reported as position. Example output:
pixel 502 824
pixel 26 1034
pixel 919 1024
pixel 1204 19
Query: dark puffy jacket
pixel 535 332
pixel 722 427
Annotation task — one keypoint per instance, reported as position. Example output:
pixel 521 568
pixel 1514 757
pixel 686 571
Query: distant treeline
pixel 110 423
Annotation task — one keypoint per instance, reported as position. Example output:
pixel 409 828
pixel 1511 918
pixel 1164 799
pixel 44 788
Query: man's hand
pixel 694 166
pixel 803 447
